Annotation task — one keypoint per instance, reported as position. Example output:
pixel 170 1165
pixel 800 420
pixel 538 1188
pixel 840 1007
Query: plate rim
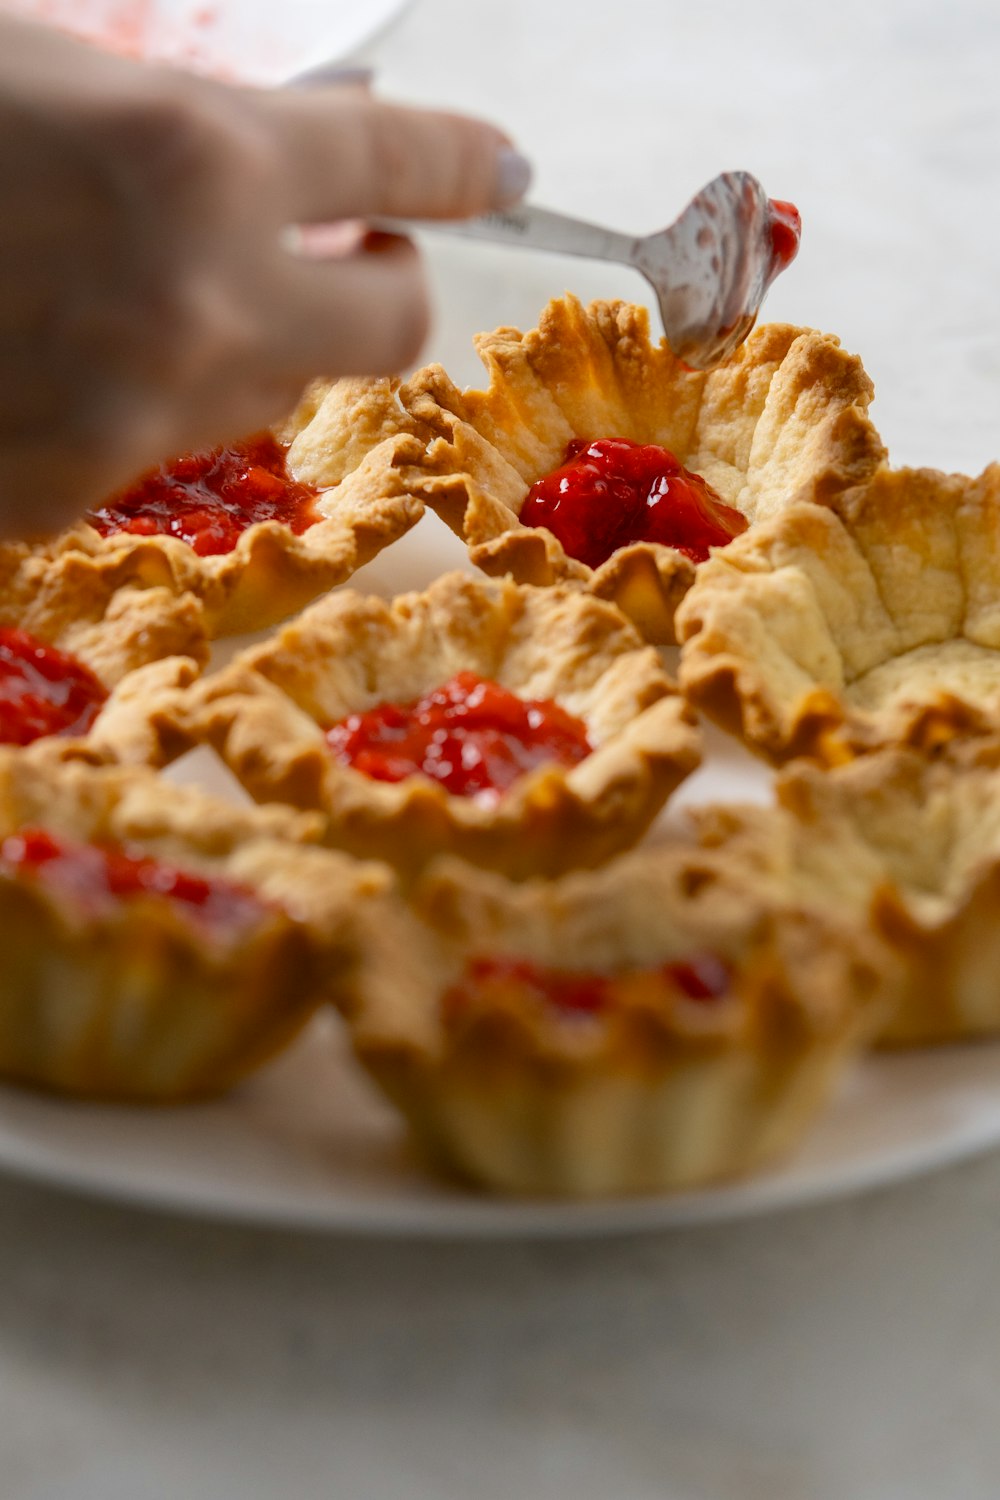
pixel 480 1218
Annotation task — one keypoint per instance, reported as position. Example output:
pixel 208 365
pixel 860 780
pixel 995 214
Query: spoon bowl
pixel 710 270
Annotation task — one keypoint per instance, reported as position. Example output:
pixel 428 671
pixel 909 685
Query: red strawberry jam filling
pixel 472 736
pixel 97 876
pixel 701 978
pixel 209 499
pixel 43 691
pixel 613 492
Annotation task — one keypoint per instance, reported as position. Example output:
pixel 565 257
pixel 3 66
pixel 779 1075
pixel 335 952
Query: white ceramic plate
pixel 309 1144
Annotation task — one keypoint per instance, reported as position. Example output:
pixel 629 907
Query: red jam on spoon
pixel 472 736
pixel 43 691
pixel 786 233
pixel 612 492
pixel 97 876
pixel 209 499
pixel 702 978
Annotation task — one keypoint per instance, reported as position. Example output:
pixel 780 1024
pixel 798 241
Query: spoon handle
pixel 539 228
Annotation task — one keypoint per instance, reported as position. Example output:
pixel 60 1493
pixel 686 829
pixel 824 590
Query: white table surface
pixel 844 1353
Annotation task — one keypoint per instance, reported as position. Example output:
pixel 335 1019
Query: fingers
pixel 350 156
pixel 366 314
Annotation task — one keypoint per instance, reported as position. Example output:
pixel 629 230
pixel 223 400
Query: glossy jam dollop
pixel 612 492
pixel 43 691
pixel 97 876
pixel 209 499
pixel 702 978
pixel 471 735
pixel 786 233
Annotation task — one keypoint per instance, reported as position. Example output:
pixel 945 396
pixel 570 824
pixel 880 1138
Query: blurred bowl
pixel 253 41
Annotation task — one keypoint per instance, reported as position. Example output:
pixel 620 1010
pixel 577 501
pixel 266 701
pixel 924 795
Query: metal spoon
pixel 710 270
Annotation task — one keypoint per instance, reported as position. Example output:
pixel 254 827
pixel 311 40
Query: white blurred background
pixel 841 1353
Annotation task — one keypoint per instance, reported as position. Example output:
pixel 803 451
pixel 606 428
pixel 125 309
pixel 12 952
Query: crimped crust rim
pixel 139 1000
pixel 133 805
pixel 741 679
pixel 277 745
pixel 903 844
pixel 648 1100
pixel 272 571
pixel 477 488
pixel 635 913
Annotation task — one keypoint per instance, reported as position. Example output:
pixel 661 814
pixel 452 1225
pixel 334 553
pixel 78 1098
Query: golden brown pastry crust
pixel 82 609
pixel 136 726
pixel 144 645
pixel 349 652
pixel 142 1003
pixel 894 840
pixel 351 439
pixel 662 1093
pixel 831 631
pixel 789 408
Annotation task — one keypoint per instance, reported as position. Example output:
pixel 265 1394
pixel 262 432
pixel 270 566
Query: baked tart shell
pixel 136 1001
pixel 655 1099
pixel 144 645
pixel 834 632
pixel 353 441
pixel 902 845
pixel 265 717
pixel 788 409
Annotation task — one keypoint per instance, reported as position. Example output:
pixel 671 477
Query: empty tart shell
pixel 906 844
pixel 144 645
pixel 659 1090
pixel 137 999
pixel 829 632
pixel 267 715
pixel 352 441
pixel 790 407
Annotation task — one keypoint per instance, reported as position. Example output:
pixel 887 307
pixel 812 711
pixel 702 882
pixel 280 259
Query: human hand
pixel 149 301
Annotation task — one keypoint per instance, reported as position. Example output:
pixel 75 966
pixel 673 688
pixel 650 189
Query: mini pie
pixel 158 944
pixel 788 408
pixel 351 442
pixel 907 844
pixel 608 1033
pixel 830 631
pixel 124 646
pixel 268 716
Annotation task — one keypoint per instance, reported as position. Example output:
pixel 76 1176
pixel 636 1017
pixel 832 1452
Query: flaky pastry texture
pixel 831 631
pixel 353 441
pixel 659 1091
pixel 141 1001
pixel 266 716
pixel 143 644
pixel 907 845
pixel 790 407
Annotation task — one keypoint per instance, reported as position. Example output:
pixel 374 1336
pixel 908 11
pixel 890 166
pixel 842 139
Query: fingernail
pixel 514 174
pixel 329 76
